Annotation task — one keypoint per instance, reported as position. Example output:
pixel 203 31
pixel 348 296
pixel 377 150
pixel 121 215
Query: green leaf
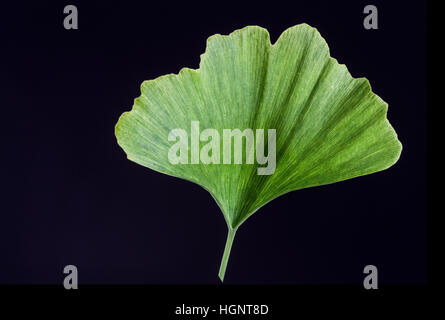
pixel 329 126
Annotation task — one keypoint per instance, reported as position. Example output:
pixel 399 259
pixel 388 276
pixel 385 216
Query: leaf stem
pixel 225 258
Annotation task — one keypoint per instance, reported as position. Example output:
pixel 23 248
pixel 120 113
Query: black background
pixel 72 197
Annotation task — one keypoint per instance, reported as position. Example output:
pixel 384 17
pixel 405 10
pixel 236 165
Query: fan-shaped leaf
pixel 328 126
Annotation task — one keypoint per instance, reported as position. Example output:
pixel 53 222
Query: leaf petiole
pixel 225 258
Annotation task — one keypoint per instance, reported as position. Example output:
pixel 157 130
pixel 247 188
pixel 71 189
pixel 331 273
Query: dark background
pixel 70 196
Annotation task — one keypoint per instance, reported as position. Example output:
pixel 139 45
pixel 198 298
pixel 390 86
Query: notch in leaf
pixel 329 126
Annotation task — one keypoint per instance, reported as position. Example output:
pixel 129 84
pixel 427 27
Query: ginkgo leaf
pixel 321 124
